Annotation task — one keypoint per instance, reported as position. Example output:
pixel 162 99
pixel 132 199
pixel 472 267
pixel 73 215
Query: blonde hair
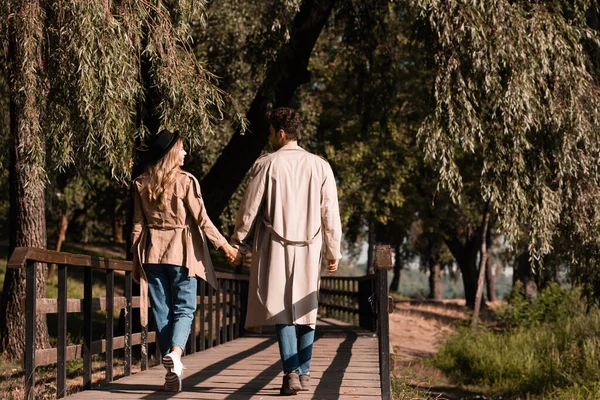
pixel 162 175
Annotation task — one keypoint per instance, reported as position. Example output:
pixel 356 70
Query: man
pixel 291 202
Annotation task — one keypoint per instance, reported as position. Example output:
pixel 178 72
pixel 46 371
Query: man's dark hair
pixel 287 119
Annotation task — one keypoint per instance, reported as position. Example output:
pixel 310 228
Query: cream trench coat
pixel 176 236
pixel 291 201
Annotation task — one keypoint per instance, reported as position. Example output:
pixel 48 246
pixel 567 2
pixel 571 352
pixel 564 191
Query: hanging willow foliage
pixel 94 55
pixel 515 85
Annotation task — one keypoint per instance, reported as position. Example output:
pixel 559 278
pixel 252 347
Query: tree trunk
pixel 371 249
pixel 27 201
pixel 466 259
pixel 283 77
pixel 435 280
pixel 117 230
pixel 482 265
pixel 395 285
pixel 490 277
pixel 62 235
pixel 523 273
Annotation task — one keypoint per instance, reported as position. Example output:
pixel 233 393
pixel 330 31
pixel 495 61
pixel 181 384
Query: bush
pixel 547 346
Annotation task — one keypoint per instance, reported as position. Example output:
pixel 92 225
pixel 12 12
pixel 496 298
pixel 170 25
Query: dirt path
pixel 417 329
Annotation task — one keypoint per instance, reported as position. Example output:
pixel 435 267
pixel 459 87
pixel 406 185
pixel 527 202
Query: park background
pixel 465 134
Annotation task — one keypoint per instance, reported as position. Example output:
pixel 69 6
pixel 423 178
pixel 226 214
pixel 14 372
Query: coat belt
pixel 166 227
pixel 299 243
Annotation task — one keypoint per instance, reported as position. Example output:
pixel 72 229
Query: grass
pixel 549 348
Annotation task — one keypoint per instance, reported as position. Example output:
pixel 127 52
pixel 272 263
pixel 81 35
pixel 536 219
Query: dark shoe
pixel 291 384
pixel 305 382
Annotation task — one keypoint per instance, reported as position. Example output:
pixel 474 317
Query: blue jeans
pixel 295 348
pixel 173 298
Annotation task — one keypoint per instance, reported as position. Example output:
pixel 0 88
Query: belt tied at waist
pixel 166 227
pixel 288 241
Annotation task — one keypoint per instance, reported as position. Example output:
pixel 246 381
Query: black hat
pixel 163 142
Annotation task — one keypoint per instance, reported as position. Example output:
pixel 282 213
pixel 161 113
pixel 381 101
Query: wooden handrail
pixel 21 255
pixel 229 308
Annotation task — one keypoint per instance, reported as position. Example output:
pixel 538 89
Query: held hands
pixel 233 255
pixel 332 266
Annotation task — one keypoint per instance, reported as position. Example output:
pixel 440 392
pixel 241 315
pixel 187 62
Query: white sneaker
pixel 173 379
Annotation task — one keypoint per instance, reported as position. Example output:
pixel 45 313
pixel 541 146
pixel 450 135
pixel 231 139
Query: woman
pixel 170 231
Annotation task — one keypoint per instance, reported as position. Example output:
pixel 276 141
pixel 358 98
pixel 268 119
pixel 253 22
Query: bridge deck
pixel 345 365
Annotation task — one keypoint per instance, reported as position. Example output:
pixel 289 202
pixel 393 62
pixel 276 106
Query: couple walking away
pixel 291 205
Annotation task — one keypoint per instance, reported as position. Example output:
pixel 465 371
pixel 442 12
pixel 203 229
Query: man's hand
pixel 332 266
pixel 238 259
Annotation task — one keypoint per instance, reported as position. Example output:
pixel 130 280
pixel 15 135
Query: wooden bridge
pixel 351 356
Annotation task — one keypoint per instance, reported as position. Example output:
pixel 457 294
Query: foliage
pixel 96 51
pixel 555 303
pixel 522 95
pixel 368 79
pixel 551 346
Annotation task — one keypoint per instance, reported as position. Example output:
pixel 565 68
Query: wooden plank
pixel 50 306
pixel 61 368
pixel 73 352
pixel 87 329
pixel 30 328
pixel 202 315
pixel 128 321
pixel 383 262
pixel 21 254
pixel 110 290
pixel 227 275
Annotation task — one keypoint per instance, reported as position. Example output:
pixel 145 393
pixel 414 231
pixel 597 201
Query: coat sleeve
pixel 250 206
pixel 139 220
pixel 330 217
pixel 195 204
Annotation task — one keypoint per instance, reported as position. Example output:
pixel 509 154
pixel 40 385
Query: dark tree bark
pixel 117 230
pixel 27 200
pixel 61 236
pixel 482 264
pixel 372 241
pixel 466 259
pixel 490 277
pixel 283 77
pixel 435 279
pixel 524 273
pixel 395 284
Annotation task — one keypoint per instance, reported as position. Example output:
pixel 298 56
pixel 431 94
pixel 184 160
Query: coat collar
pixel 293 145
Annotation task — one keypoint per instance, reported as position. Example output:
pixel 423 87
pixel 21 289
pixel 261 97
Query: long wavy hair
pixel 162 175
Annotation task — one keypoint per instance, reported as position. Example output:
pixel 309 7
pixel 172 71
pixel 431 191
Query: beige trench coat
pixel 176 236
pixel 291 201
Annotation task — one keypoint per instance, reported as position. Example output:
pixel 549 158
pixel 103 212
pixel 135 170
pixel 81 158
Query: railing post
pixel 110 307
pixel 61 358
pixel 202 285
pixel 128 320
pixel 87 328
pixel 30 314
pixel 383 263
pixel 366 316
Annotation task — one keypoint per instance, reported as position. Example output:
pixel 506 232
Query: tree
pixel 523 97
pixel 26 67
pixel 284 75
pixel 80 97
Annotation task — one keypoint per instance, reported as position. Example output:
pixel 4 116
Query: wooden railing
pixel 364 301
pixel 221 314
pixel 349 299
